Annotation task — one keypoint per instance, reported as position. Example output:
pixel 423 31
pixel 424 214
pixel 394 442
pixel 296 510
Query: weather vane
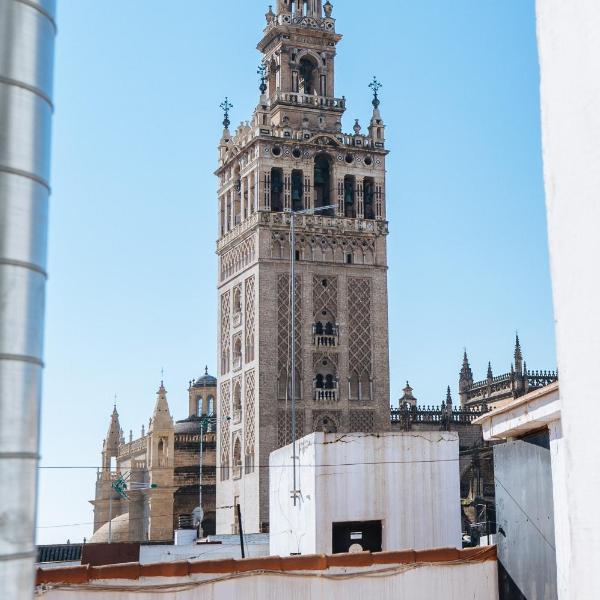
pixel 261 71
pixel 375 86
pixel 226 106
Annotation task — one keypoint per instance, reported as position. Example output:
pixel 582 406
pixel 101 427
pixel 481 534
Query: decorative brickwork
pixel 284 426
pixel 329 421
pixel 361 420
pixel 225 414
pixel 250 302
pixel 283 338
pixel 325 295
pixel 359 329
pixel 238 257
pixel 249 420
pixel 225 331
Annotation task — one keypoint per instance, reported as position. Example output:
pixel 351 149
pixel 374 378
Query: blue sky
pixel 133 211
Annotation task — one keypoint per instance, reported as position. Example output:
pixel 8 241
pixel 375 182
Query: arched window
pixel 297 190
pixel 309 76
pixel 237 402
pixel 211 406
pixel 319 381
pixel 354 379
pixel 322 182
pixel 237 458
pixel 237 353
pixel 369 198
pixel 350 196
pixel 237 300
pixel 161 447
pixel 276 190
pixel 325 424
pixel 198 406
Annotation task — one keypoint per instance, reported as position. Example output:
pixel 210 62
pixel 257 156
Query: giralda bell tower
pixel 293 156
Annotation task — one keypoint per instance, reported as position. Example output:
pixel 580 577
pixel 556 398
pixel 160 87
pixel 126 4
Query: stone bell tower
pixel 293 156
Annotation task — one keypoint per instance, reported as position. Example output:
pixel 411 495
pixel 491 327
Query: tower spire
pixel 448 397
pixel 376 127
pixel 490 375
pixel 518 356
pixel 161 417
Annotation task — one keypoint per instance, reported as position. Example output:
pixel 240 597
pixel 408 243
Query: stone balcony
pixel 326 395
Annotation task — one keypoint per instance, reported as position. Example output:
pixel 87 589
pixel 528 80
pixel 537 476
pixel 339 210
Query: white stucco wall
pixel 256 544
pixel 569 50
pixel 447 582
pixel 408 480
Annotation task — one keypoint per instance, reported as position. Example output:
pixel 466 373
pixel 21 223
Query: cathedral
pixel 293 157
pixel 160 470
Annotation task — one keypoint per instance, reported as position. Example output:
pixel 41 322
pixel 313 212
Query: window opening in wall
pixel 356 536
pixel 349 259
pixel 297 190
pixel 322 183
pixel 237 458
pixel 369 198
pixel 308 71
pixel 297 254
pixel 350 196
pixel 277 190
pixel 198 406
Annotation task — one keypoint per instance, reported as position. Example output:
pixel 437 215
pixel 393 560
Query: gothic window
pixel 365 387
pixel 350 196
pixel 237 306
pixel 237 352
pixel 237 458
pixel 237 401
pixel 322 183
pixel 297 190
pixel 369 198
pixel 354 379
pixel 276 190
pixel 325 423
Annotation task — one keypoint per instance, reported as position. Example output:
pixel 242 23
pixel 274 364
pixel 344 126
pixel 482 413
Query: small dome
pixel 120 531
pixel 189 425
pixel 205 381
pixel 192 425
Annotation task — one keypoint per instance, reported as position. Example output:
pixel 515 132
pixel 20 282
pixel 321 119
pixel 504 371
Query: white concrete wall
pixel 255 545
pixel 408 480
pixel 456 582
pixel 569 49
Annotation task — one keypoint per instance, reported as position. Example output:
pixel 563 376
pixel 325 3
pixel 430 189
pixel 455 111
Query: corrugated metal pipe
pixel 27 32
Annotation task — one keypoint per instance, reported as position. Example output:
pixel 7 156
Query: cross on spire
pixel 375 86
pixel 261 72
pixel 226 106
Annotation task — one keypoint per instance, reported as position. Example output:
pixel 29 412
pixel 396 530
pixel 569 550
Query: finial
pixel 115 404
pixel 375 86
pixel 226 106
pixel 328 8
pixel 489 371
pixel 356 127
pixel 206 370
pixel 270 14
pixel 261 72
pixel 448 396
